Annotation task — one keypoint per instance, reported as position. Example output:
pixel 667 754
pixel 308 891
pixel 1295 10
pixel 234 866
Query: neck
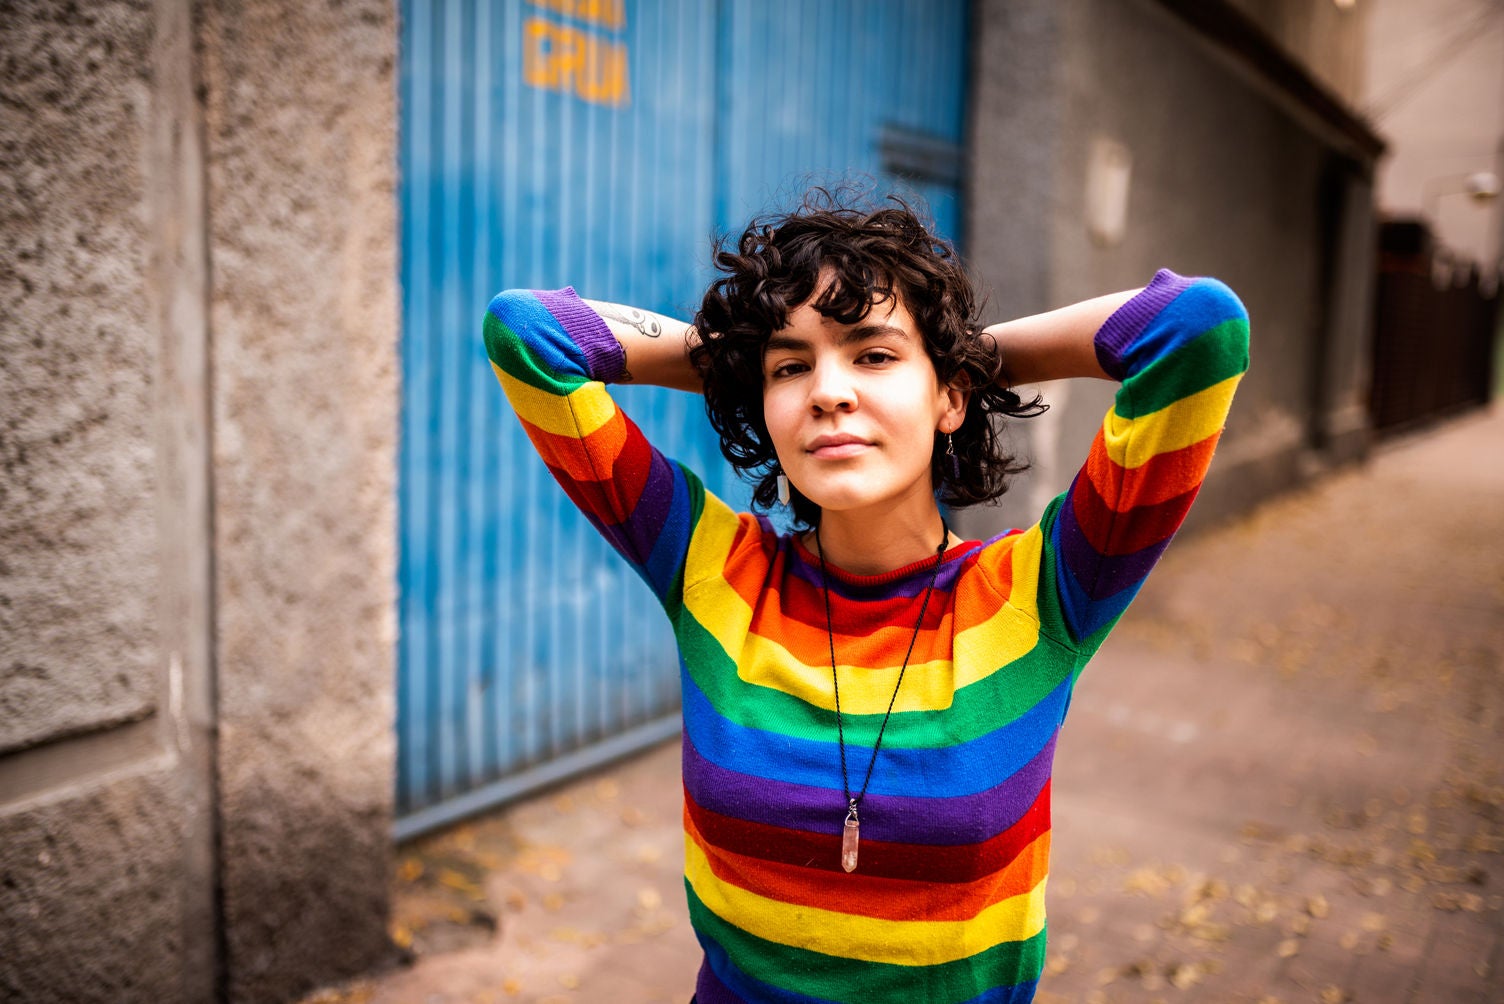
pixel 873 542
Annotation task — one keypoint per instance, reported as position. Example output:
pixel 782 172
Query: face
pixel 853 409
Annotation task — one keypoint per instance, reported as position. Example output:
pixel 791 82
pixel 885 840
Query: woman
pixel 871 702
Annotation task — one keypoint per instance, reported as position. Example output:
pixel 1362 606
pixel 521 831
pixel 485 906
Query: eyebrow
pixel 860 333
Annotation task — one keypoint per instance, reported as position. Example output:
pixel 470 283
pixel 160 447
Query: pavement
pixel 1282 780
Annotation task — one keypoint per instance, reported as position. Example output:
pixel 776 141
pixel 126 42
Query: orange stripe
pixel 588 459
pixel 872 896
pixel 882 649
pixel 1162 478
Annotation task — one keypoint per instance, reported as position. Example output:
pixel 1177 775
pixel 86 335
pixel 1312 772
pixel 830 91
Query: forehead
pixel 885 312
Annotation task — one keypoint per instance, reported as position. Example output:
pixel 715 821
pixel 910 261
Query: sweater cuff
pixel 1122 329
pixel 605 359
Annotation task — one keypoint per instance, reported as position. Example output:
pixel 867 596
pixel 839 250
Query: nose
pixel 832 389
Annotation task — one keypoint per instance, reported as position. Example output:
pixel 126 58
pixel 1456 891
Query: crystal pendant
pixel 849 836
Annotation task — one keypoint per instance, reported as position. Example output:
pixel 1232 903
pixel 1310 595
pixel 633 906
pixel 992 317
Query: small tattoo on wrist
pixel 645 323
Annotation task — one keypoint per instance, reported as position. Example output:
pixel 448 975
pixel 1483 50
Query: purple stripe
pixel 605 359
pixel 710 990
pixel 911 585
pixel 645 522
pixel 1129 320
pixel 964 819
pixel 634 537
pixel 1099 575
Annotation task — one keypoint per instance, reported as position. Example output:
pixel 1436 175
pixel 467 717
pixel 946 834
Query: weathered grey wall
pixel 300 120
pixel 1225 181
pixel 198 399
pixel 100 772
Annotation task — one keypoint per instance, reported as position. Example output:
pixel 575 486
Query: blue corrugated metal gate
pixel 597 143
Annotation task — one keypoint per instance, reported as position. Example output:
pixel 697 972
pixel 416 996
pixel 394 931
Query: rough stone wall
pixel 1224 181
pixel 300 123
pixel 198 399
pixel 77 524
pixel 92 798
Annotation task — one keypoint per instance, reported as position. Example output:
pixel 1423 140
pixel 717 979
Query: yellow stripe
pixel 983 649
pixel 717 607
pixel 927 686
pixel 850 936
pixel 1028 553
pixel 576 414
pixel 709 548
pixel 1134 442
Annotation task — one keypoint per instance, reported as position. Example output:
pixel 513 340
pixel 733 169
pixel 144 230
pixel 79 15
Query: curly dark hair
pixel 875 253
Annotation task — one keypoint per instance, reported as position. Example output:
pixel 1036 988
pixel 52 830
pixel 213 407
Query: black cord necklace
pixel 851 833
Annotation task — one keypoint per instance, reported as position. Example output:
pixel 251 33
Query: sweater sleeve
pixel 554 355
pixel 1179 349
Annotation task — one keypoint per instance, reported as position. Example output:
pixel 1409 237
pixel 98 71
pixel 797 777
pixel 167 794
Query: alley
pixel 1280 781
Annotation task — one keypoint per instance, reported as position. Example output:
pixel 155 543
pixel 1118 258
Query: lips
pixel 837 446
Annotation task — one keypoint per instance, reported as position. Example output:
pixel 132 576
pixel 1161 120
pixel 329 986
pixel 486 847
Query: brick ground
pixel 1282 780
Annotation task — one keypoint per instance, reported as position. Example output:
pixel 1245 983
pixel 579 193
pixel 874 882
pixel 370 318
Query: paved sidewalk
pixel 1282 780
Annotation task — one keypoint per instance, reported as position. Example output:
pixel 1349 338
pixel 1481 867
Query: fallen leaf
pixel 1183 976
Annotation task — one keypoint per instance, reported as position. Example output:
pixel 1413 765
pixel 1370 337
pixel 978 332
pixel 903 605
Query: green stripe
pixel 509 351
pixel 1051 615
pixel 857 982
pixel 978 709
pixel 1216 354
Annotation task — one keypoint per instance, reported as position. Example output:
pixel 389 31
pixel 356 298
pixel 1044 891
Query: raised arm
pixel 554 357
pixel 657 347
pixel 1178 347
pixel 1058 344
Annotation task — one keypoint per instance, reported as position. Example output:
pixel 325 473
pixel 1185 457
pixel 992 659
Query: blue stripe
pixel 965 769
pixel 525 316
pixel 1204 305
pixel 1084 615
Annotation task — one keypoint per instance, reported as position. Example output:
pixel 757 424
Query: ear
pixel 956 396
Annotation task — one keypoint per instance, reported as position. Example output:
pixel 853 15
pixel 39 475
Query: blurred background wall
pixel 1434 84
pixel 1111 139
pixel 261 496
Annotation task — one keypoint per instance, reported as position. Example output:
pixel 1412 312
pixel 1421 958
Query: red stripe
pixel 883 859
pixel 612 496
pixel 1113 533
pixel 865 894
pixel 1162 477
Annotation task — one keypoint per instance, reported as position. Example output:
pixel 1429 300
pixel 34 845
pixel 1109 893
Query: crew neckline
pixel 812 559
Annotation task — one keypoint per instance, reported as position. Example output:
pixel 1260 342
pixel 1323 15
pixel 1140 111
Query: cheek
pixel 777 416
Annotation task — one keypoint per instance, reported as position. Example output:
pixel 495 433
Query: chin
pixel 834 499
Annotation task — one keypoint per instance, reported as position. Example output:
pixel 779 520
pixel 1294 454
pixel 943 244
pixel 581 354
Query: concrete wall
pixel 1327 37
pixel 1223 180
pixel 103 775
pixel 197 539
pixel 300 124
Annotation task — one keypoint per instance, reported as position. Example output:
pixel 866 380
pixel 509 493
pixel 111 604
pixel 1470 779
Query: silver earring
pixel 953 462
pixel 783 488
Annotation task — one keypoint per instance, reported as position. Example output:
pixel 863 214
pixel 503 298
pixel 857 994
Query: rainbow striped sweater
pixel 948 902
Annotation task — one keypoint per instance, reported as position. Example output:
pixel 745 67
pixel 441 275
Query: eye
pixel 787 368
pixel 878 356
